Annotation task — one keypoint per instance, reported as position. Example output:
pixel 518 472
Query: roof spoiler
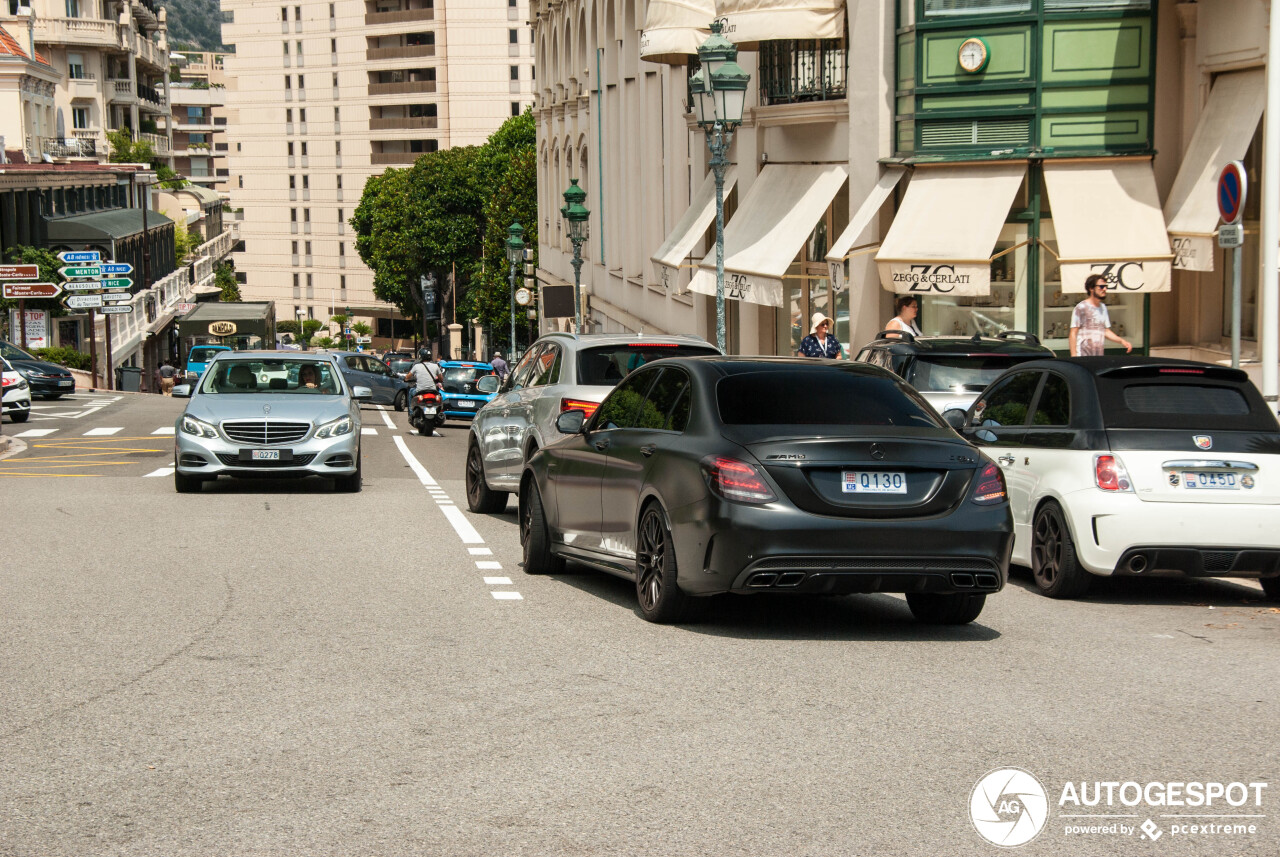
pixel 904 335
pixel 1188 369
pixel 1029 338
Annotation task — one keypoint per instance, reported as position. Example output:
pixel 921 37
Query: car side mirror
pixel 570 422
pixel 489 384
pixel 955 418
pixel 181 391
pixel 361 394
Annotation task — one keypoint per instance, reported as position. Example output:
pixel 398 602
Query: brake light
pixel 989 489
pixel 1181 371
pixel 652 345
pixel 588 408
pixel 1110 475
pixel 736 480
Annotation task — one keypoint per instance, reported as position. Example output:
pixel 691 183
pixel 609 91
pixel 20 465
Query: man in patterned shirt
pixel 1091 324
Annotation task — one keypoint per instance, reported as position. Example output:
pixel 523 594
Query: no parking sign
pixel 1233 188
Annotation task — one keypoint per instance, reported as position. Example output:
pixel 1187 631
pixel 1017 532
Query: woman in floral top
pixel 819 343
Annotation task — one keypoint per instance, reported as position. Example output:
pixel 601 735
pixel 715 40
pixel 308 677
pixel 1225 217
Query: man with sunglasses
pixel 1091 324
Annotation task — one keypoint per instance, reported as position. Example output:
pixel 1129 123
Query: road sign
pixel 84 271
pixel 81 286
pixel 116 297
pixel 19 272
pixel 82 301
pixel 71 258
pixel 117 309
pixel 115 282
pixel 1233 189
pixel 113 269
pixel 1231 235
pixel 31 290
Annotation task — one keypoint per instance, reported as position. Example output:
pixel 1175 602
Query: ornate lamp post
pixel 347 330
pixel 721 90
pixel 515 253
pixel 578 216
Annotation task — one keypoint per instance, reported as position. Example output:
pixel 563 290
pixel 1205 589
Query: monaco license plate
pixel 265 455
pixel 429 410
pixel 1209 479
pixel 65 383
pixel 466 403
pixel 874 482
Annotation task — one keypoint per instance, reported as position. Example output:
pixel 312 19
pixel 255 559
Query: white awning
pixel 673 29
pixel 670 257
pixel 747 22
pixel 1106 214
pixel 945 230
pixel 769 228
pixel 1222 135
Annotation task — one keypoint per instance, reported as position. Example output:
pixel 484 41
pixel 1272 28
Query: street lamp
pixel 347 331
pixel 721 90
pixel 515 253
pixel 302 338
pixel 577 215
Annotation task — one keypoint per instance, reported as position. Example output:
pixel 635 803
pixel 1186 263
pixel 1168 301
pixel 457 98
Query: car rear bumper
pixel 1199 539
pixel 208 458
pixel 746 549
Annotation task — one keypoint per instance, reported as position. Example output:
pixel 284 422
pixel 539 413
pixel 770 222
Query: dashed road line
pixel 103 431
pixel 35 433
pixel 506 595
pixel 365 430
pixel 479 551
pixel 488 565
pixel 386 418
pixel 163 471
pixel 498 581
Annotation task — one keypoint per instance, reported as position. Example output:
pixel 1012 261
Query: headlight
pixel 22 384
pixel 199 428
pixel 334 428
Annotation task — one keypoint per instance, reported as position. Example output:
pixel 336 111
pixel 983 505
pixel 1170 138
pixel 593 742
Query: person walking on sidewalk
pixel 1091 323
pixel 499 365
pixel 820 342
pixel 166 374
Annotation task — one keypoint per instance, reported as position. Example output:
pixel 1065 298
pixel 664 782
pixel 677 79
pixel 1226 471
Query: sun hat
pixel 819 318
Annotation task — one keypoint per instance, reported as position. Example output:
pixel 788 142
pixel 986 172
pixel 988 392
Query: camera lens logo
pixel 1008 807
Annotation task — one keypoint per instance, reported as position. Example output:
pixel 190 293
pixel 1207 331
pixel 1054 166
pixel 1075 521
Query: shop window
pixel 793 70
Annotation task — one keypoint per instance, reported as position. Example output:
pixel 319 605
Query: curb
pixel 11 446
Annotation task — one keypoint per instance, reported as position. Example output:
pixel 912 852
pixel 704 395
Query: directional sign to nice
pixel 116 269
pixel 115 282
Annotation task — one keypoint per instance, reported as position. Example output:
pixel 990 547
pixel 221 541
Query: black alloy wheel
pixel 401 398
pixel 480 498
pixel 661 599
pixel 1054 565
pixel 535 536
pixel 1271 586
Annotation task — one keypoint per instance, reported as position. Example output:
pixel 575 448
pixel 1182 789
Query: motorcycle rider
pixel 424 375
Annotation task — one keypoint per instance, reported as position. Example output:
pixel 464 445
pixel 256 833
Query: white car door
pixel 998 425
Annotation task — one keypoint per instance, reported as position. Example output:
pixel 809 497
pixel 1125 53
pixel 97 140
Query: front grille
pixel 264 432
pixel 1219 560
pixel 296 461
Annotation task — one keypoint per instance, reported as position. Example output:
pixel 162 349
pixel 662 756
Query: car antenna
pixel 977 337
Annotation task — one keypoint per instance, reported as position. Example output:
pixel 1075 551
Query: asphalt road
pixel 273 668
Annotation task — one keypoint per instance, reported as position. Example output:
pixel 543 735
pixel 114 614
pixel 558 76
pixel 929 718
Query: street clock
pixel 974 55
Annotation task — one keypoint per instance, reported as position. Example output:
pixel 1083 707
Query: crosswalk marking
pixel 506 595
pixel 367 430
pixel 163 471
pixel 103 431
pixel 35 433
pixel 164 430
pixel 498 581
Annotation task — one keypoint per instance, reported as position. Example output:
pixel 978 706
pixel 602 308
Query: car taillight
pixel 989 488
pixel 1110 475
pixel 587 408
pixel 736 480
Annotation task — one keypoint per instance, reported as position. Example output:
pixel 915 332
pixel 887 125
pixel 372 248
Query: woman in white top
pixel 906 308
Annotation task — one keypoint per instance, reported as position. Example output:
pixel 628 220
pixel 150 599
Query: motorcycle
pixel 426 411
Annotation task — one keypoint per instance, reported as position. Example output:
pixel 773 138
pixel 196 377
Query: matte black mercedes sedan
pixel 705 475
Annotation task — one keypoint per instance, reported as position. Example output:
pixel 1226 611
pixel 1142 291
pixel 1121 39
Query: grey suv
pixel 559 372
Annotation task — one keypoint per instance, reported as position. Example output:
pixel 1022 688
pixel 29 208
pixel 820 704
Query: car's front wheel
pixel 656 589
pixel 1054 566
pixel 350 484
pixel 401 398
pixel 957 609
pixel 186 484
pixel 535 536
pixel 1271 586
pixel 19 416
pixel 480 498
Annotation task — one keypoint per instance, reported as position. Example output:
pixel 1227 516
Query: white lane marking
pixel 35 433
pixel 421 472
pixel 482 565
pixel 103 431
pixel 163 471
pixel 461 525
pixel 386 418
pixel 365 430
pixel 164 430
pixel 479 551
pixel 498 581
pixel 507 595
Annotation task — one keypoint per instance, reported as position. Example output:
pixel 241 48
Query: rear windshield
pixel 828 396
pixel 960 374
pixel 400 366
pixel 606 365
pixel 1200 405
pixel 202 355
pixel 461 379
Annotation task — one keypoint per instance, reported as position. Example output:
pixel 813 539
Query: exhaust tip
pixel 791 578
pixel 1138 563
pixel 762 581
pixel 962 581
pixel 987 581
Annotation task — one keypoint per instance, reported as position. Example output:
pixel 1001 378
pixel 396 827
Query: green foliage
pixel 324 342
pixel 310 327
pixel 148 126
pixel 224 277
pixel 184 240
pixel 63 356
pixel 49 265
pixel 168 177
pixel 338 319
pixel 195 25
pixel 361 329
pixel 287 325
pixel 515 199
pixel 126 150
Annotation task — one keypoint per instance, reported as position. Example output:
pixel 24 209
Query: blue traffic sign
pixel 116 269
pixel 72 257
pixel 1233 188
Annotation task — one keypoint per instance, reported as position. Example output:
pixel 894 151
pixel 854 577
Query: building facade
pixel 197 125
pixel 321 95
pixel 985 155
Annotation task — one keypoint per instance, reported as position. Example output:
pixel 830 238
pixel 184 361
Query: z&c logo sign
pixel 1123 275
pixel 931 278
pixel 737 286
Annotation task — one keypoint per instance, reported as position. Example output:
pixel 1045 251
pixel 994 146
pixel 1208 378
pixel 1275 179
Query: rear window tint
pixel 828 396
pixel 203 355
pixel 940 373
pixel 1185 399
pixel 606 365
pixel 1202 406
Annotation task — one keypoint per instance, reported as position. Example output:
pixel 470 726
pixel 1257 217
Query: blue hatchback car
pixel 461 399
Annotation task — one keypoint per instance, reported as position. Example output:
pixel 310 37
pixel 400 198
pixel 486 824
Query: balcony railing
pixel 121 90
pixel 407 87
pixel 148 93
pixel 77 31
pixel 403 123
pixel 76 146
pixel 401 52
pixel 372 19
pixel 793 70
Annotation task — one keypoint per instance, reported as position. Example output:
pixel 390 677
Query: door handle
pixel 1006 460
pixel 602 444
pixel 648 449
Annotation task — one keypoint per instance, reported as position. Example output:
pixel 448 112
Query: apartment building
pixel 197 125
pixel 321 95
pixel 112 57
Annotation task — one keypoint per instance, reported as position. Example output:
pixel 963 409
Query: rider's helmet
pixel 424 354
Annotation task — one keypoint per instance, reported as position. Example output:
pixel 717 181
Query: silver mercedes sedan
pixel 269 413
